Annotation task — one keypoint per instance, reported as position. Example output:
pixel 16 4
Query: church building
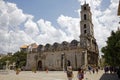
pixel 60 55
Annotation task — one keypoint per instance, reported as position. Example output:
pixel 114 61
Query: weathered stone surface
pixel 76 53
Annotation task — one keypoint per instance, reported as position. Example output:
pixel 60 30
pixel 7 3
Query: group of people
pixel 112 69
pixel 93 69
pixel 80 74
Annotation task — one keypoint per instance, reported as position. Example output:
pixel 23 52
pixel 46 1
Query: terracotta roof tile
pixel 24 46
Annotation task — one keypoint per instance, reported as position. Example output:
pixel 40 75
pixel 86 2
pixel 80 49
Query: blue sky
pixel 48 9
pixel 51 10
pixel 105 4
pixel 49 21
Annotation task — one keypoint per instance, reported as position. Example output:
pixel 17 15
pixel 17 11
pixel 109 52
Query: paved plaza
pixel 53 75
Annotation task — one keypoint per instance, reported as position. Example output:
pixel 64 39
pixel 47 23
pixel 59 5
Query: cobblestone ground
pixel 53 75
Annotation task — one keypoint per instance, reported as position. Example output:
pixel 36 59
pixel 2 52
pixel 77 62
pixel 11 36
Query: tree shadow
pixel 108 76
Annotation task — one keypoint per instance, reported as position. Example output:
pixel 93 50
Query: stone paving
pixel 53 75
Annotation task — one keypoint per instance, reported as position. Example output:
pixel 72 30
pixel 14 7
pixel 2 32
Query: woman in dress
pixel 80 74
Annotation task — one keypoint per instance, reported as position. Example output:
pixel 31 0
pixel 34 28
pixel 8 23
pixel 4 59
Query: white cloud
pixel 10 34
pixel 70 26
pixel 104 22
pixel 49 34
pixel 10 15
pixel 16 16
pixel 31 28
pixel 92 3
pixel 12 19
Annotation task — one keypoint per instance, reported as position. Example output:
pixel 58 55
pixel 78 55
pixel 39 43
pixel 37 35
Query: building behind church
pixel 60 55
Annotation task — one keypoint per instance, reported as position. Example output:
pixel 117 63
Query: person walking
pixel 93 70
pixel 89 69
pixel 46 70
pixel 69 73
pixel 80 74
pixel 118 72
pixel 97 70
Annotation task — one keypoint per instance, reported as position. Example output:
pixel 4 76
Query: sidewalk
pixel 54 75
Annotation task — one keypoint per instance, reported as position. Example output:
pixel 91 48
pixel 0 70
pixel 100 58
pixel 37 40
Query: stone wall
pixel 31 62
pixel 54 60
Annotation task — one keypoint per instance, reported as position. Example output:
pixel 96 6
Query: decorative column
pixel 85 58
pixel 86 61
pixel 75 61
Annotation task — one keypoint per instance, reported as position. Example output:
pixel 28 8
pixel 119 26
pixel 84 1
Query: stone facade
pixel 60 55
pixel 87 40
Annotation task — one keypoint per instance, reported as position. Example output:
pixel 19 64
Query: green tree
pixel 3 61
pixel 19 58
pixel 112 50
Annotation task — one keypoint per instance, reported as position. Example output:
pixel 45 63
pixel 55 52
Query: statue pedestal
pixel 7 65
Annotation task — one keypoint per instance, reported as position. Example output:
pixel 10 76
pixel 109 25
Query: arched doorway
pixel 39 67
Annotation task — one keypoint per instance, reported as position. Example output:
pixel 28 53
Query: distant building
pixel 2 55
pixel 60 55
pixel 9 54
pixel 24 48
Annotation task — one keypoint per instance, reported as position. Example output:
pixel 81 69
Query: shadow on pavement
pixel 108 76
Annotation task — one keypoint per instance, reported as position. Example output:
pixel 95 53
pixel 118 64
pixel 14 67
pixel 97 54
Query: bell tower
pixel 87 39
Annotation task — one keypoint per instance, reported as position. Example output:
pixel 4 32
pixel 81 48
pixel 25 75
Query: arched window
pixel 85 17
pixel 84 8
pixel 85 31
pixel 84 25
